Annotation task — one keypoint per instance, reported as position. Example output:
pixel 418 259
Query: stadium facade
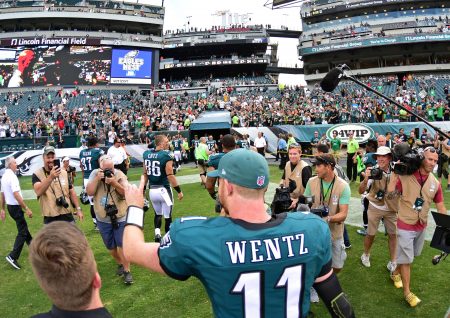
pixel 377 37
pixel 71 43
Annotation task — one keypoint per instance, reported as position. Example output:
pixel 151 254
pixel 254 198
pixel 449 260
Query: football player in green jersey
pixel 89 162
pixel 211 143
pixel 228 144
pixel 252 264
pixel 158 172
pixel 177 145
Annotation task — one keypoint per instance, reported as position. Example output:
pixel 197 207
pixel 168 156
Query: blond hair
pixel 64 265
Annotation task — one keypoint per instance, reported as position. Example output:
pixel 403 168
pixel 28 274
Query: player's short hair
pixel 64 265
pixel 248 193
pixel 159 139
pixel 92 141
pixel 228 142
pixel 323 148
pixel 8 161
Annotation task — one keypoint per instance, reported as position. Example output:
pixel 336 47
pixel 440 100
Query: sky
pixel 202 13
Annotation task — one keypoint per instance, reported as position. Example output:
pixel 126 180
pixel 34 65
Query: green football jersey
pixel 89 160
pixel 177 144
pixel 211 144
pixel 242 144
pixel 155 165
pixel 214 160
pixel 250 270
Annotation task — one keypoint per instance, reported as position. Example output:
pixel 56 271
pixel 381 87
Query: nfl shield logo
pixel 260 180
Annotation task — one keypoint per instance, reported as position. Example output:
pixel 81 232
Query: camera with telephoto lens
pixel 61 201
pixel 376 173
pixel 72 169
pixel 108 173
pixel 111 211
pixel 321 211
pixel 410 159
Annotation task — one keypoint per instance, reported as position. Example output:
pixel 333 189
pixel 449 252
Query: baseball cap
pixel 243 167
pixel 382 151
pixel 66 158
pixel 325 159
pixel 83 140
pixel 49 149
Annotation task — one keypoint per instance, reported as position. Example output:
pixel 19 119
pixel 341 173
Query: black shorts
pixel 201 162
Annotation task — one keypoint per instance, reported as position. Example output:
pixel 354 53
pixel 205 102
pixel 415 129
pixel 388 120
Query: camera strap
pixel 322 195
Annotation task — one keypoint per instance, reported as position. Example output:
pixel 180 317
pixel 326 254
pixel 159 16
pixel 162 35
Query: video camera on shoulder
pixel 410 159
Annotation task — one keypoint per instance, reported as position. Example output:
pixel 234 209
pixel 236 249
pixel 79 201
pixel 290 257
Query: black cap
pixel 326 159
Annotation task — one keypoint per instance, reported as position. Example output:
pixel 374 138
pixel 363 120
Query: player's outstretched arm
pixel 329 289
pixel 135 249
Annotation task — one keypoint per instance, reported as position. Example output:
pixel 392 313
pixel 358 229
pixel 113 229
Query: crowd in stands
pixel 78 111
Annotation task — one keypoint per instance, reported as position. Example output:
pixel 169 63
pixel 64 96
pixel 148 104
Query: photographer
pixel 106 186
pixel 54 190
pixel 296 170
pixel 443 144
pixel 417 192
pixel 381 205
pixel 331 199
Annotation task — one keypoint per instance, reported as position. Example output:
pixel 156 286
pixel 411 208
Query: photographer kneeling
pixel 295 170
pixel 382 205
pixel 106 186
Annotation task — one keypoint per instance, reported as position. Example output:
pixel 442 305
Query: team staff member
pixel 158 172
pixel 228 144
pixel 54 191
pixel 352 148
pixel 12 197
pixel 260 144
pixel 417 192
pixel 89 161
pixel 201 155
pixel 331 193
pixel 234 259
pixel 107 191
pixel 381 207
pixel 297 170
pixel 118 155
pixel 69 276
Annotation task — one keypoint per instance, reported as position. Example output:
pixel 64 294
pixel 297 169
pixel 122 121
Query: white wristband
pixel 135 216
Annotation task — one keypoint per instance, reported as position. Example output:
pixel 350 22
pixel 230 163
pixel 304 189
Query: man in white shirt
pixel 118 156
pixel 12 197
pixel 111 136
pixel 260 143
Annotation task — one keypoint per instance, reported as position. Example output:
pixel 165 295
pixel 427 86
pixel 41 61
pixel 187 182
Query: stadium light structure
pixel 282 4
pixel 333 77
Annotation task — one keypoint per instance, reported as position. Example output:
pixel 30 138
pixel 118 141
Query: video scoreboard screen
pixel 54 65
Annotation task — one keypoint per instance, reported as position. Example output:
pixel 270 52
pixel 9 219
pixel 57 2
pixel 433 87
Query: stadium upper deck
pixel 375 37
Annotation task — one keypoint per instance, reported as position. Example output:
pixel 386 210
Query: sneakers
pixel 365 260
pixel 412 300
pixel 397 279
pixel 347 246
pixel 391 266
pixel 362 232
pixel 13 262
pixel 158 238
pixel 127 278
pixel 120 270
pixel 314 298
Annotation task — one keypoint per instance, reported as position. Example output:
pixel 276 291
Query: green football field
pixel 152 295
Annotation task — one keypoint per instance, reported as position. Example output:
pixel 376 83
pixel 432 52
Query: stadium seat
pixel 5 148
pixel 38 147
pixel 20 147
pixel 29 147
pixel 13 148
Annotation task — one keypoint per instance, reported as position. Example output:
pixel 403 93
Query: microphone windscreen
pixel 331 80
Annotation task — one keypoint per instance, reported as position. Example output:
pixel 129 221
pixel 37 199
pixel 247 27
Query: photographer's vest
pixel 410 192
pixel 113 197
pixel 295 175
pixel 378 185
pixel 337 229
pixel 47 201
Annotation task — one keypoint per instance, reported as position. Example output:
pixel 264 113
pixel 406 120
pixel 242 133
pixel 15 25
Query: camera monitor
pixel 441 236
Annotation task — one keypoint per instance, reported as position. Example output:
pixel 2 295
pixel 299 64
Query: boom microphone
pixel 332 79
